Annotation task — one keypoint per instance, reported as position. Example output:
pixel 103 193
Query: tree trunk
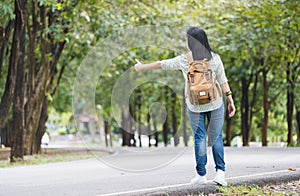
pixel 245 112
pixel 165 132
pixel 41 72
pixel 290 104
pixel 131 116
pixel 254 95
pixel 106 128
pixel 265 107
pixel 41 128
pixel 33 110
pixel 138 115
pixel 36 95
pixel 166 124
pixel 155 132
pixel 110 138
pixel 156 138
pixel 4 36
pixel 184 120
pixel 17 148
pixel 132 141
pixel 7 97
pixel 149 129
pixel 228 130
pixel 298 125
pixel 107 135
pixel 5 135
pixel 125 130
pixel 174 119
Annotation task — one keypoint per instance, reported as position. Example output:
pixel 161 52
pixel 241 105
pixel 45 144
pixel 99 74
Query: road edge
pixel 258 179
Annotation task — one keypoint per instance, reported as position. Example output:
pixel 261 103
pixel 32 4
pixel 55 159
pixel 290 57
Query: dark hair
pixel 198 43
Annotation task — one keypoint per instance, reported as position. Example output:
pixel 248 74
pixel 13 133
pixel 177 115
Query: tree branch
pixel 3 41
pixel 58 79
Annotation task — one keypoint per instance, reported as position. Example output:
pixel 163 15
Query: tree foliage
pixel 257 41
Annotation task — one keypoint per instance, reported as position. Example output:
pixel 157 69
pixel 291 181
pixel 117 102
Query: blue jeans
pixel 215 121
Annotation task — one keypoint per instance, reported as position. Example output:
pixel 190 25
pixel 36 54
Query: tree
pixel 17 60
pixel 258 43
pixel 36 47
pixel 289 50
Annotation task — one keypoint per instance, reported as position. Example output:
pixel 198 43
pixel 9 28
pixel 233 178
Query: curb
pixel 74 149
pixel 259 179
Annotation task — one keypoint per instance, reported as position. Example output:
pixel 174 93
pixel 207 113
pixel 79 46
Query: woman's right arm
pixel 227 91
pixel 175 63
pixel 150 66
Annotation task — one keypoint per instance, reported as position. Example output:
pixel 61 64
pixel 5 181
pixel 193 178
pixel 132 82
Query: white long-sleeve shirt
pixel 217 67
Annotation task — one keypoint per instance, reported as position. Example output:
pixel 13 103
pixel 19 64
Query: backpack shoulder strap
pixel 189 58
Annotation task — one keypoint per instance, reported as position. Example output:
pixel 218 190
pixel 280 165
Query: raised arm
pixel 175 63
pixel 150 66
pixel 228 93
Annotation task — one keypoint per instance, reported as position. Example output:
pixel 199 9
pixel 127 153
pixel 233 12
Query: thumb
pixel 137 61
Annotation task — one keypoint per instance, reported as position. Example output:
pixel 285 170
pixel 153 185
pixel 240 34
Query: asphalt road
pixel 134 171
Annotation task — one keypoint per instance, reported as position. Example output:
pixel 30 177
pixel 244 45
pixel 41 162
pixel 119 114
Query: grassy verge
pixel 51 156
pixel 282 189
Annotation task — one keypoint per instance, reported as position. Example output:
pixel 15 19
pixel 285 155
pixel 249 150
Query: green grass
pixel 51 157
pixel 241 190
pixel 254 190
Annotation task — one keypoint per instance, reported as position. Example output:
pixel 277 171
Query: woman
pixel 214 111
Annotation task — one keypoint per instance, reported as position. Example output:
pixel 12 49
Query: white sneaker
pixel 220 178
pixel 199 180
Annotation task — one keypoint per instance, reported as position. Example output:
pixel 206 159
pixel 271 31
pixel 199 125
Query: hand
pixel 138 66
pixel 231 109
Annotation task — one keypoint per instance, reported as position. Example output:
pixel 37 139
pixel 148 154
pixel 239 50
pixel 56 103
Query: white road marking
pixel 261 174
pixel 148 189
pixel 187 184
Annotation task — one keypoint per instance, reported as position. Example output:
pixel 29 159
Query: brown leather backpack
pixel 201 86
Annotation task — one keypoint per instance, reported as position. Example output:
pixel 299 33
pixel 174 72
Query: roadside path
pixel 133 171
